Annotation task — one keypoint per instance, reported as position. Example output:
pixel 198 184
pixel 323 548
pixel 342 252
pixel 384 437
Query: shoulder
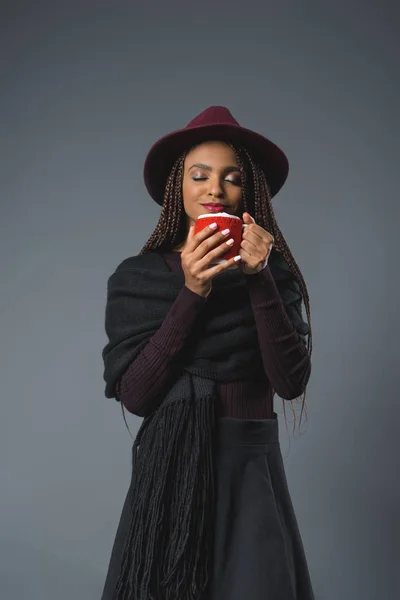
pixel 139 261
pixel 135 268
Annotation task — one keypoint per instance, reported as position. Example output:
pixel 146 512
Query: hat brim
pixel 163 154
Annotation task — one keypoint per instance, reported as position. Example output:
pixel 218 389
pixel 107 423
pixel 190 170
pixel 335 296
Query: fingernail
pixel 213 225
pixel 237 258
pixel 229 242
pixel 226 231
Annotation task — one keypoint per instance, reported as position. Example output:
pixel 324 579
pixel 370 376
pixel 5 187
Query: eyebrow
pixel 208 168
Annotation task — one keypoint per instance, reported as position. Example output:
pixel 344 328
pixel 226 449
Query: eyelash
pixel 228 180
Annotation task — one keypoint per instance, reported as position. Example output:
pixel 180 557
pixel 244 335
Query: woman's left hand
pixel 255 247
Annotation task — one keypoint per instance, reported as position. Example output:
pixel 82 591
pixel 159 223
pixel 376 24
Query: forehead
pixel 214 152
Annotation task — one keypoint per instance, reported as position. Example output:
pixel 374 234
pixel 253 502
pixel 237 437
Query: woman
pixel 199 351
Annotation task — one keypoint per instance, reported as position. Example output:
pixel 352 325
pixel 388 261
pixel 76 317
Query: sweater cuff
pixel 187 304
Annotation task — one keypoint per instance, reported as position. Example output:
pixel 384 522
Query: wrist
pixel 203 293
pixel 260 269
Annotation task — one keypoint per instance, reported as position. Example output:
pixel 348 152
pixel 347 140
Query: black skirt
pixel 258 551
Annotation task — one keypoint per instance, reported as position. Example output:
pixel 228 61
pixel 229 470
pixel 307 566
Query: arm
pixel 285 356
pixel 142 385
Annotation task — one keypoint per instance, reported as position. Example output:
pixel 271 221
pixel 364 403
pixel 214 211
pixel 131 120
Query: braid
pixel 171 226
pixel 257 200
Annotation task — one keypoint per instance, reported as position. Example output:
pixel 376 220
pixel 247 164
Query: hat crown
pixel 213 115
pixel 213 123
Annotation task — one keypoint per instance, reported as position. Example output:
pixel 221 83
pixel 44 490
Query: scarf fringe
pixel 168 548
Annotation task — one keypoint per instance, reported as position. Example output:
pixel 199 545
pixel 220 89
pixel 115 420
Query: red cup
pixel 224 221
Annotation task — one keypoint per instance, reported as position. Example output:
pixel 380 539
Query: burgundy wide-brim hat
pixel 214 123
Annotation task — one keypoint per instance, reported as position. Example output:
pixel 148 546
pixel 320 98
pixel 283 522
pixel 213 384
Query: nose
pixel 215 189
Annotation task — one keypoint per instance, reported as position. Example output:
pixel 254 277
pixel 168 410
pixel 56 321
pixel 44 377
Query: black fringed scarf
pixel 168 548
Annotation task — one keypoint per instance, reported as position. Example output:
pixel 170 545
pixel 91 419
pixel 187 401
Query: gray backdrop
pixel 86 88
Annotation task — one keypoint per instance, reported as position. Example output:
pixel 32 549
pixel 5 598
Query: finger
pixel 210 242
pixel 249 247
pixel 255 234
pixel 248 215
pixel 245 254
pixel 191 232
pixel 222 266
pixel 215 248
pixel 194 239
pixel 249 257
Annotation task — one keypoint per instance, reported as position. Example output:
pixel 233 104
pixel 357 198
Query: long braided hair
pixel 171 229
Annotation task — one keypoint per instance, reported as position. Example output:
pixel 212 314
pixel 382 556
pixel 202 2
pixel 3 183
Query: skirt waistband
pixel 248 432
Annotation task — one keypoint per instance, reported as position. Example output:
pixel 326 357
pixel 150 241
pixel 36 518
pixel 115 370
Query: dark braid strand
pixel 171 227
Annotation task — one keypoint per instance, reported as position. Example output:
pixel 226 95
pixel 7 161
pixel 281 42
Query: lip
pixel 212 207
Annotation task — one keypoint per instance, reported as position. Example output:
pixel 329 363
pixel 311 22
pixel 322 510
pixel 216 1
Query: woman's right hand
pixel 200 250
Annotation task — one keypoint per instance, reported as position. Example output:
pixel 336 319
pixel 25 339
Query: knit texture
pixel 277 308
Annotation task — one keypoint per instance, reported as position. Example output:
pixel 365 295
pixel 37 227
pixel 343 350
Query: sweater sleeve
pixel 143 384
pixel 285 357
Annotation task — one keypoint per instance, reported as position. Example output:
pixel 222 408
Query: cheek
pixel 190 190
pixel 237 194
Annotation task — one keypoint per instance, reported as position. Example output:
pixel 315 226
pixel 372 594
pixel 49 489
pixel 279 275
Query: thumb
pixel 191 231
pixel 247 218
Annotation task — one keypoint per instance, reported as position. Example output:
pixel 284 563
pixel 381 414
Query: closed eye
pixel 234 182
